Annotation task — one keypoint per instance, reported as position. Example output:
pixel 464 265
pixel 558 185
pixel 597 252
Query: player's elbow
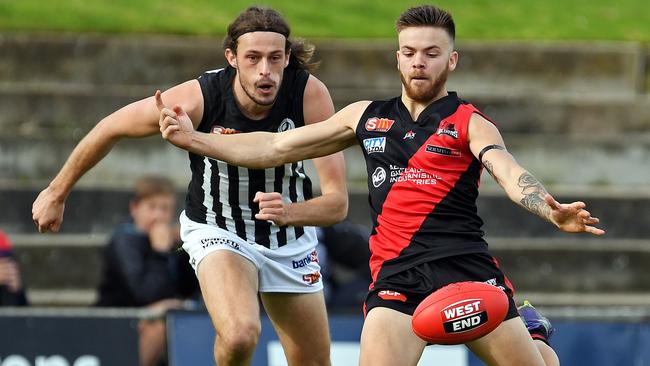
pixel 338 208
pixel 340 213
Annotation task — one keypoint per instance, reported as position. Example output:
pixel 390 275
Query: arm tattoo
pixel 533 192
pixel 490 168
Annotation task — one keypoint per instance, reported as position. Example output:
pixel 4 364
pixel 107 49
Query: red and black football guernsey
pixel 423 183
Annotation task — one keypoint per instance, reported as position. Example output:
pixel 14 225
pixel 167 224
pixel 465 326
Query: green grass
pixel 475 19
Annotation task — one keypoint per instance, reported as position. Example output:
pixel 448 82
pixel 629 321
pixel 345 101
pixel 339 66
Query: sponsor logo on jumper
pixel 208 242
pixel 448 129
pixel 375 144
pixel 391 295
pixel 379 124
pixel 312 257
pixel 443 150
pixel 378 177
pixel 413 175
pixel 311 278
pixel 286 125
pixel 224 130
pixel 409 135
pixel 464 315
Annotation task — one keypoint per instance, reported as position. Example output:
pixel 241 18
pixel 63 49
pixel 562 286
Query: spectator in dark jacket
pixel 11 286
pixel 142 267
pixel 344 253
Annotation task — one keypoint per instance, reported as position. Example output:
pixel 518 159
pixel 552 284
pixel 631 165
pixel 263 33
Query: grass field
pixel 476 19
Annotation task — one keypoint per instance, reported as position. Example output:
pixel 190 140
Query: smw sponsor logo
pixel 311 278
pixel 379 124
pixel 463 316
pixel 375 144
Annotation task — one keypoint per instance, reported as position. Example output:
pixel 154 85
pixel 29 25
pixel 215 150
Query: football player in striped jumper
pixel 247 231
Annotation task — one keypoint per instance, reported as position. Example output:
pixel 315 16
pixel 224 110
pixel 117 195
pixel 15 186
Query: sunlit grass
pixel 476 19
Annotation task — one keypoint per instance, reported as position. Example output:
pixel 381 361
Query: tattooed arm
pixel 533 195
pixel 522 187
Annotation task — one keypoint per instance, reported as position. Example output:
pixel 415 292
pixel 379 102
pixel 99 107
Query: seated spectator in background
pixel 142 266
pixel 344 255
pixel 11 287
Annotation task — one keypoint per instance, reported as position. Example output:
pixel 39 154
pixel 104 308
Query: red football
pixel 460 312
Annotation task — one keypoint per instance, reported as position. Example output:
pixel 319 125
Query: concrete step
pixel 69 111
pixel 552 304
pixel 586 163
pixel 96 211
pixel 562 265
pixel 60 261
pixel 64 269
pixel 589 68
pixel 86 59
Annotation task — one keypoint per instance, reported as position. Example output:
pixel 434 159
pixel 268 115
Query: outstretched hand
pixel 572 217
pixel 175 125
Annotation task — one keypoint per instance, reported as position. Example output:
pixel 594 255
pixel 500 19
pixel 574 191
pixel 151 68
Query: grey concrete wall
pixel 576 115
pixel 575 97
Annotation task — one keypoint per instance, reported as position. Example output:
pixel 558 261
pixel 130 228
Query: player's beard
pixel 251 94
pixel 425 95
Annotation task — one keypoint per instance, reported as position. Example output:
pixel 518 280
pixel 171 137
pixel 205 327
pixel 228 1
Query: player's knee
pixel 241 340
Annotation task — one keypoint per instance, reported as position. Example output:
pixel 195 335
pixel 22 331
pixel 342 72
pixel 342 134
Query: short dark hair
pixel 263 19
pixel 153 185
pixel 427 15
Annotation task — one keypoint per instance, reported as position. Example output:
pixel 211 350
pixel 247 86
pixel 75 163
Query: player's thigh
pixel 300 320
pixel 388 339
pixel 508 345
pixel 229 287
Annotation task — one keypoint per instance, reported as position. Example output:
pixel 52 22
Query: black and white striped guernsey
pixel 222 194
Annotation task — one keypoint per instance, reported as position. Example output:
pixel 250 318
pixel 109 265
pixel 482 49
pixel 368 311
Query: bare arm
pixel 260 150
pixel 521 186
pixel 332 205
pixel 138 119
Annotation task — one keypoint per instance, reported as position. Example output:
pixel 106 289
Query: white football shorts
pixel 291 268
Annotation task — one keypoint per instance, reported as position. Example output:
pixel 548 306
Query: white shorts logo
pixel 378 177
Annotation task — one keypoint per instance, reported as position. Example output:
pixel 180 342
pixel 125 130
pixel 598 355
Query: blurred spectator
pixel 142 266
pixel 344 255
pixel 11 286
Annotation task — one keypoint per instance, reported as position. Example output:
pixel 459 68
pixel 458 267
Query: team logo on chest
pixel 379 124
pixel 286 125
pixel 447 128
pixel 375 144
